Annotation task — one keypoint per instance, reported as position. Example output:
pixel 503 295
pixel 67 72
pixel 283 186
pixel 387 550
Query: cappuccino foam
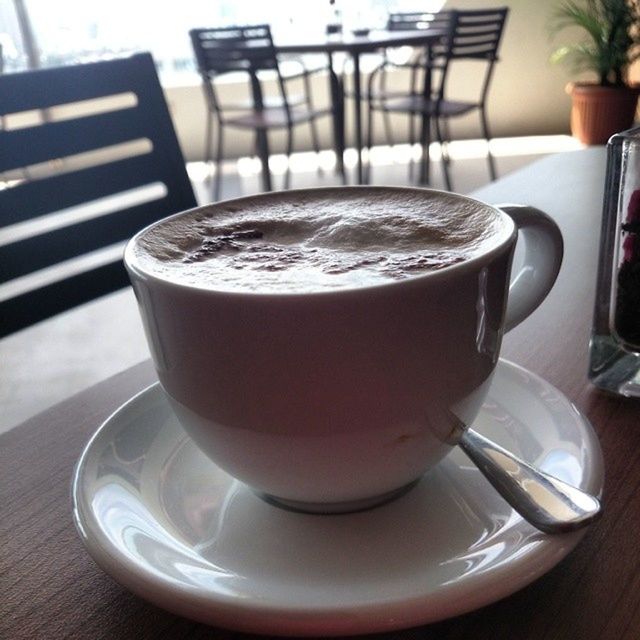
pixel 318 240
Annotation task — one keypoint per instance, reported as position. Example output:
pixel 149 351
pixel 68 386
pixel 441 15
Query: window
pixel 67 31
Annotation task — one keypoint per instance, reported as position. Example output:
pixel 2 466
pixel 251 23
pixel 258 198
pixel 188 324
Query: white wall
pixel 527 94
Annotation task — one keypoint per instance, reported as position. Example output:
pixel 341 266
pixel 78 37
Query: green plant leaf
pixel 612 32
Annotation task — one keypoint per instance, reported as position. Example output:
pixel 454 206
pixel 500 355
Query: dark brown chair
pixel 472 35
pixel 95 161
pixel 250 50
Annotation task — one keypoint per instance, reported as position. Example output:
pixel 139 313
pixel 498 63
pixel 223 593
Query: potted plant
pixel 612 30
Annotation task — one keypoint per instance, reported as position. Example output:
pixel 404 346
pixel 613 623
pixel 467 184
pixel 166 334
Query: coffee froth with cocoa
pixel 319 240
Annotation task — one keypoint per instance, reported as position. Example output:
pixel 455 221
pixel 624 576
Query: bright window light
pixel 68 31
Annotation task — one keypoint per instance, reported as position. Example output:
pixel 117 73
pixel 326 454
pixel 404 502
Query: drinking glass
pixel 615 341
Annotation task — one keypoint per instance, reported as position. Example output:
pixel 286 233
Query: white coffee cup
pixel 337 400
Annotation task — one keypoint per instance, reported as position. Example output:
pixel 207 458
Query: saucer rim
pixel 255 616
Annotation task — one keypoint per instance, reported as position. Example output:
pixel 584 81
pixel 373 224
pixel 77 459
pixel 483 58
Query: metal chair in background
pixel 89 157
pixel 414 65
pixel 250 50
pixel 473 35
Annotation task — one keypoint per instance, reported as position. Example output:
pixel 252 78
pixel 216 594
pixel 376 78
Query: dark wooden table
pixel 355 46
pixel 50 588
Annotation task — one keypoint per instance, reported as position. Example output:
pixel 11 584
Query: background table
pixel 50 588
pixel 355 46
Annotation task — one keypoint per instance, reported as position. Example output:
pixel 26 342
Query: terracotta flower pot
pixel 599 112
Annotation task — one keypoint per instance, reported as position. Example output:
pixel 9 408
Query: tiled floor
pixel 46 363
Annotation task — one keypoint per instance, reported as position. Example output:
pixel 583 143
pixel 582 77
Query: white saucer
pixel 173 528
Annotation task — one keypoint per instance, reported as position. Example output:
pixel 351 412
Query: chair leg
pixel 315 141
pixel 445 162
pixel 287 174
pixel 485 132
pixel 217 189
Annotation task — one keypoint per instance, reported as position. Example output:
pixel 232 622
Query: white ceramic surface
pixel 164 521
pixel 331 397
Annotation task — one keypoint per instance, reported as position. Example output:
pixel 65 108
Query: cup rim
pixel 134 268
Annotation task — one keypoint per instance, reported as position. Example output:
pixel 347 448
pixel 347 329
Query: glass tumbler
pixel 614 363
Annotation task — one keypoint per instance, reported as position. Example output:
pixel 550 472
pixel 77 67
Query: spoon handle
pixel 549 504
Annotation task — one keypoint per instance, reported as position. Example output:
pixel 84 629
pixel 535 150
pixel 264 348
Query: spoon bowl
pixel 548 503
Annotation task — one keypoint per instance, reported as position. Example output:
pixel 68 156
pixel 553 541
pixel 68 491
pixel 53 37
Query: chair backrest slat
pixel 76 137
pixel 55 140
pixel 32 198
pixel 409 21
pixel 477 33
pixel 51 87
pixel 227 49
pixel 40 251
pixel 59 296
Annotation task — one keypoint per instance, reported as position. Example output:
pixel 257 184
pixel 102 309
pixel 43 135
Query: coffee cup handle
pixel 543 250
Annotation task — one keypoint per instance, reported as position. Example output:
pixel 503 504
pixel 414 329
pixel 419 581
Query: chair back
pixel 477 33
pixel 247 49
pixel 88 157
pixel 226 49
pixel 474 35
pixel 432 57
pixel 416 21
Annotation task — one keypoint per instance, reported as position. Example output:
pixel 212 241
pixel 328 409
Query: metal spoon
pixel 549 504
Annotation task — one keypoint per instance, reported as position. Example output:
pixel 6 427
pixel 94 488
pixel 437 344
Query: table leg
pixel 262 140
pixel 262 147
pixel 337 103
pixel 425 139
pixel 357 97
